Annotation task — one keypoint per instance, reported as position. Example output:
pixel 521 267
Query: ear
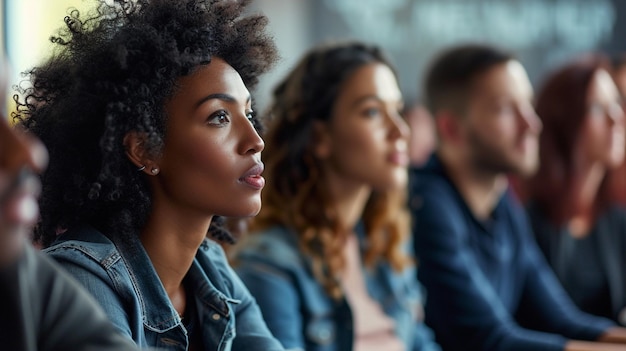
pixel 322 143
pixel 449 126
pixel 134 143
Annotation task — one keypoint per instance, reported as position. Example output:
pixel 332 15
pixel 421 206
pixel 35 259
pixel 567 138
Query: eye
pixel 400 112
pixel 504 109
pixel 253 118
pixel 371 112
pixel 219 118
pixel 596 109
pixel 616 108
pixel 251 115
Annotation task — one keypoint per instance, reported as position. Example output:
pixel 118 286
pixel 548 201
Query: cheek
pixel 598 135
pixel 366 140
pixel 596 141
pixel 202 155
pixel 366 150
pixel 508 128
pixel 196 158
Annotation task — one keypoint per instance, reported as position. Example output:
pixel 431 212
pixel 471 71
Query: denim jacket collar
pixel 158 313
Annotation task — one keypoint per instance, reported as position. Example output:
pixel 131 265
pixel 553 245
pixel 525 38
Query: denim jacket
pixel 121 277
pixel 300 313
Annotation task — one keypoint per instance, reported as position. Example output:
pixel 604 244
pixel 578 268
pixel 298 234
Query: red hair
pixel 562 107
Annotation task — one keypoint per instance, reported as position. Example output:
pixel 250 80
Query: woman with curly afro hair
pixel 148 120
pixel 332 234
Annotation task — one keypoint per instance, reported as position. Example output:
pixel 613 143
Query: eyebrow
pixel 220 96
pixel 362 99
pixel 371 97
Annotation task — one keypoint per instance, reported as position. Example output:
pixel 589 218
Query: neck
pixel 349 199
pixel 171 238
pixel 584 194
pixel 480 189
pixel 587 187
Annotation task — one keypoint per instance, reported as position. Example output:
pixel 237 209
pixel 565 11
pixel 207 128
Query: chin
pixel 615 159
pixel 527 170
pixel 251 210
pixel 401 180
pixel 393 184
pixel 614 163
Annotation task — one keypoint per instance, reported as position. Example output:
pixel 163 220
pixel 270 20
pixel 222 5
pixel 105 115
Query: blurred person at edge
pixel 327 259
pixel 618 72
pixel 423 136
pixel 618 179
pixel 43 308
pixel 489 287
pixel 578 223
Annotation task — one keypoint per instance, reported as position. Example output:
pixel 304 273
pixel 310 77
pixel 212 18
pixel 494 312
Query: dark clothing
pixel 42 308
pixel 592 269
pixel 488 286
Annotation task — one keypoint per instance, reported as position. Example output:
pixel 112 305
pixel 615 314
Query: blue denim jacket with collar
pixel 302 315
pixel 121 277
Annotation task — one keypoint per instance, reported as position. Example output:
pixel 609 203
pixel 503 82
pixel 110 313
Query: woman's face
pixel 603 131
pixel 211 159
pixel 366 138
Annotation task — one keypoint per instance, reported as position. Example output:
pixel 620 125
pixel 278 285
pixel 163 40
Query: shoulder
pixel 436 206
pixel 615 213
pixel 612 222
pixel 84 245
pixel 431 190
pixel 275 246
pixel 519 218
pixel 72 318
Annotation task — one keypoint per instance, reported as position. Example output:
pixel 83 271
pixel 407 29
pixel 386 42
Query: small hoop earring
pixel 141 168
pixel 154 171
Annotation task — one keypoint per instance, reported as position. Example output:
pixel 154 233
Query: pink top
pixel 373 329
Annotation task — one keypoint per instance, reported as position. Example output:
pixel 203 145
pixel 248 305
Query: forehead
pixel 216 77
pixel 373 79
pixel 506 80
pixel 602 84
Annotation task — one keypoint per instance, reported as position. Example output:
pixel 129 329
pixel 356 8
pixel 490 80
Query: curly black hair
pixel 111 74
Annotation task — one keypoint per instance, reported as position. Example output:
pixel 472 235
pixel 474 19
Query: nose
pixel 18 150
pixel 251 141
pixel 399 129
pixel 615 115
pixel 529 120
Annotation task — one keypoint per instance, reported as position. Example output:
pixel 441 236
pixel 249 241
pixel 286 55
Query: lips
pixel 253 177
pixel 399 158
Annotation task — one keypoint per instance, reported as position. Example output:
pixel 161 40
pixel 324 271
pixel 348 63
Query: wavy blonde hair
pixel 296 195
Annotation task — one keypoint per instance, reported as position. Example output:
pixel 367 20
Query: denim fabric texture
pixel 122 279
pixel 299 311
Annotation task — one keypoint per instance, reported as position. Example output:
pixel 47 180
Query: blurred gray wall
pixel 542 33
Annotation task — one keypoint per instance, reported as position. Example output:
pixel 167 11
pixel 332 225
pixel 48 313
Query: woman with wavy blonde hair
pixel 326 259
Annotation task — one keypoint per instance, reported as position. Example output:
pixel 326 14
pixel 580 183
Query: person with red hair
pixel 577 221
